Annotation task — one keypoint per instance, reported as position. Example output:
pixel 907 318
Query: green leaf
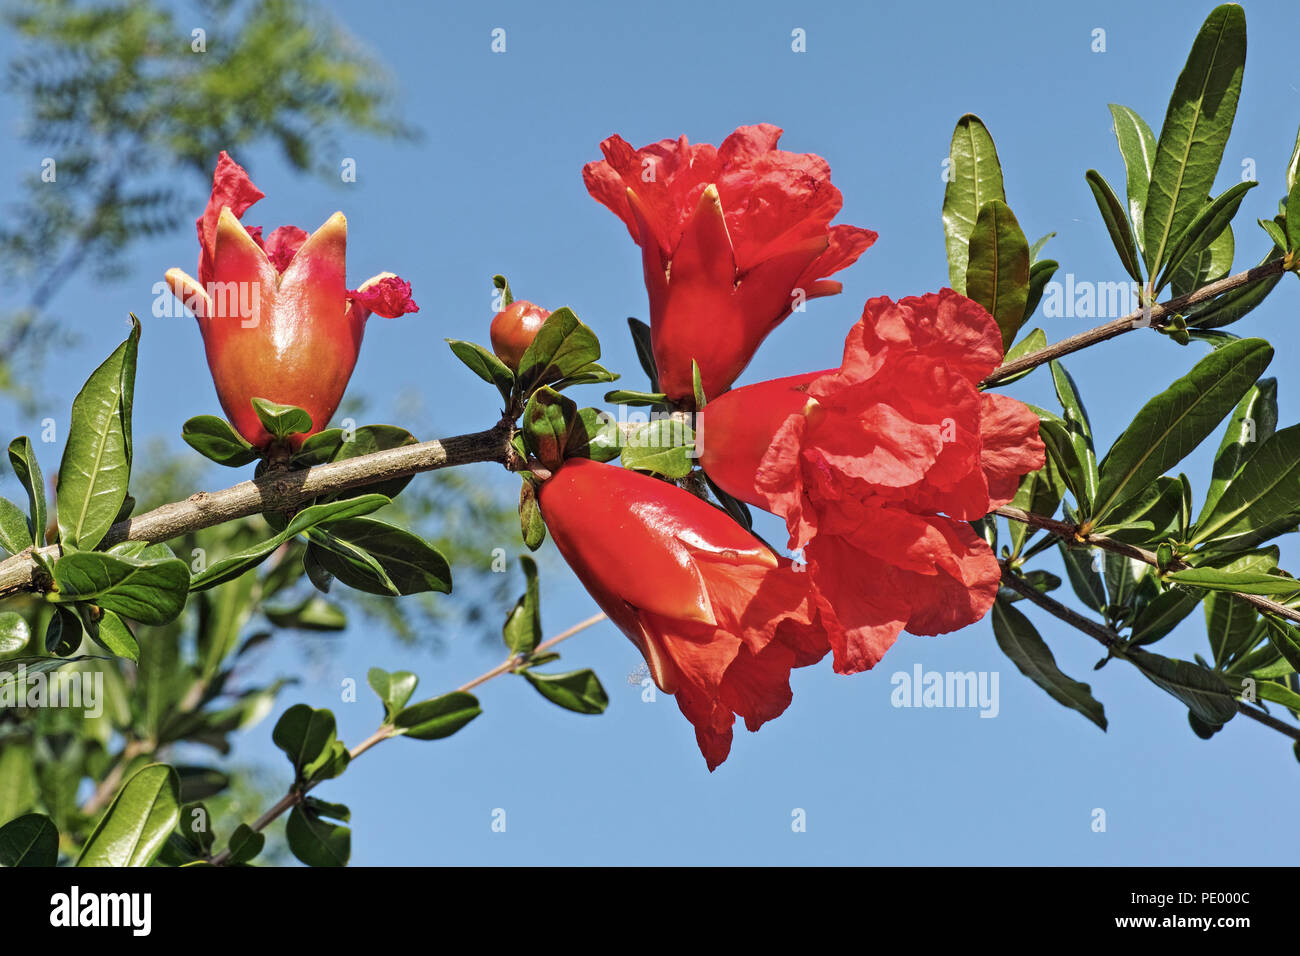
pixel 1279 694
pixel 14 632
pixel 1039 493
pixel 1021 642
pixel 1035 340
pixel 624 396
pixel 232 566
pixel 644 351
pixel 1040 273
pixel 664 446
pixel 562 346
pixel 1285 638
pixel 1293 218
pixel 1137 145
pixel 137 822
pixel 697 387
pixel 281 420
pixel 1206 226
pixel 394 689
pixel 15 528
pixel 63 633
pixel 1243 582
pixel 1162 615
pixel 578 691
pixel 549 418
pixel 96 463
pixel 523 628
pixel 245 844
pixel 1195 131
pixel 531 525
pixel 593 434
pixel 112 633
pixel 1038 245
pixel 1232 306
pixel 1262 499
pixel 975 178
pixel 1078 426
pixel 312 613
pixel 500 283
pixel 315 841
pixel 367 440
pixel 1112 214
pixel 28 470
pixel 1252 423
pixel 29 840
pixel 148 590
pixel 409 563
pixel 485 365
pixel 1170 425
pixel 1203 691
pixel 438 717
pixel 590 374
pixel 1084 577
pixel 997 273
pixel 213 438
pixel 307 736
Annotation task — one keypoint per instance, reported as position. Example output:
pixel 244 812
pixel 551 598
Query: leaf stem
pixel 295 795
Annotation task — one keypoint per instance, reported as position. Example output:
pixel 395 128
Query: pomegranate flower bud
pixel 277 318
pixel 719 619
pixel 732 240
pixel 878 466
pixel 513 330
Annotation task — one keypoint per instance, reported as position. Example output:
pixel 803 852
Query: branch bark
pixel 278 491
pixel 1140 319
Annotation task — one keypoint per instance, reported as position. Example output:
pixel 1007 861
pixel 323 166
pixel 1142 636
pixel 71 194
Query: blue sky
pixel 495 186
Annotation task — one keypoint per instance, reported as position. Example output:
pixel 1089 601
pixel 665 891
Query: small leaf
pixel 394 689
pixel 1112 214
pixel 1084 577
pixel 438 717
pixel 138 821
pixel 532 527
pixel 306 735
pixel 281 420
pixel 1203 691
pixel 317 842
pixel 644 351
pixel 28 470
pixel 523 628
pixel 664 446
pixel 63 633
pixel 562 346
pixel 1020 641
pixel 245 844
pixel 213 438
pixel 409 563
pixel 623 396
pixel 15 528
pixel 997 273
pixel 578 691
pixel 485 365
pixel 975 178
pixel 112 633
pixel 1137 145
pixel 1162 615
pixel 14 632
pixel 1285 638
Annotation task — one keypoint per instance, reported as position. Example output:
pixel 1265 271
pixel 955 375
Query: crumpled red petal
pixel 389 297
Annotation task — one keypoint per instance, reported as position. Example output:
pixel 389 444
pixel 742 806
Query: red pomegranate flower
pixel 727 236
pixel 277 318
pixel 719 619
pixel 879 465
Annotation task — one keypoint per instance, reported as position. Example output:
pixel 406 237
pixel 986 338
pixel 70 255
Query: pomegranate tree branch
pixel 278 491
pixel 1147 317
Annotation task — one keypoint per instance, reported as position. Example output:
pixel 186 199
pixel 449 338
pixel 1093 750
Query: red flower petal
pixel 230 187
pixel 1010 446
pixel 283 244
pixel 389 297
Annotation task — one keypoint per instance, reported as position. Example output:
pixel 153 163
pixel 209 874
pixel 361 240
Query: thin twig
pixel 295 795
pixel 1150 317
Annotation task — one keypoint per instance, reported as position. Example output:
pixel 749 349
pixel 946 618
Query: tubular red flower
pixel 731 238
pixel 878 466
pixel 719 619
pixel 277 319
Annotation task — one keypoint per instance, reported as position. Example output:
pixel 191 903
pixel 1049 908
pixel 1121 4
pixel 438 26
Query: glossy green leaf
pixel 549 417
pixel 14 632
pixel 1262 499
pixel 485 365
pixel 1252 423
pixel 1285 638
pixel 307 736
pixel 578 691
pixel 1174 422
pixel 15 528
pixel 1203 691
pixel 409 563
pixel 1117 224
pixel 96 463
pixel 394 689
pixel 1078 426
pixel 366 440
pixel 1040 273
pixel 29 840
pixel 316 841
pixel 213 438
pixel 644 351
pixel 1035 340
pixel 1244 582
pixel 312 613
pixel 593 434
pixel 136 825
pixel 523 628
pixel 1021 642
pixel 624 396
pixel 975 177
pixel 664 446
pixel 1206 226
pixel 148 590
pixel 1084 576
pixel 562 346
pixel 233 565
pixel 23 458
pixel 244 845
pixel 1162 615
pixel 281 420
pixel 531 526
pixel 112 633
pixel 438 717
pixel 997 271
pixel 1232 306
pixel 1195 131
pixel 1040 493
pixel 63 633
pixel 1137 144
